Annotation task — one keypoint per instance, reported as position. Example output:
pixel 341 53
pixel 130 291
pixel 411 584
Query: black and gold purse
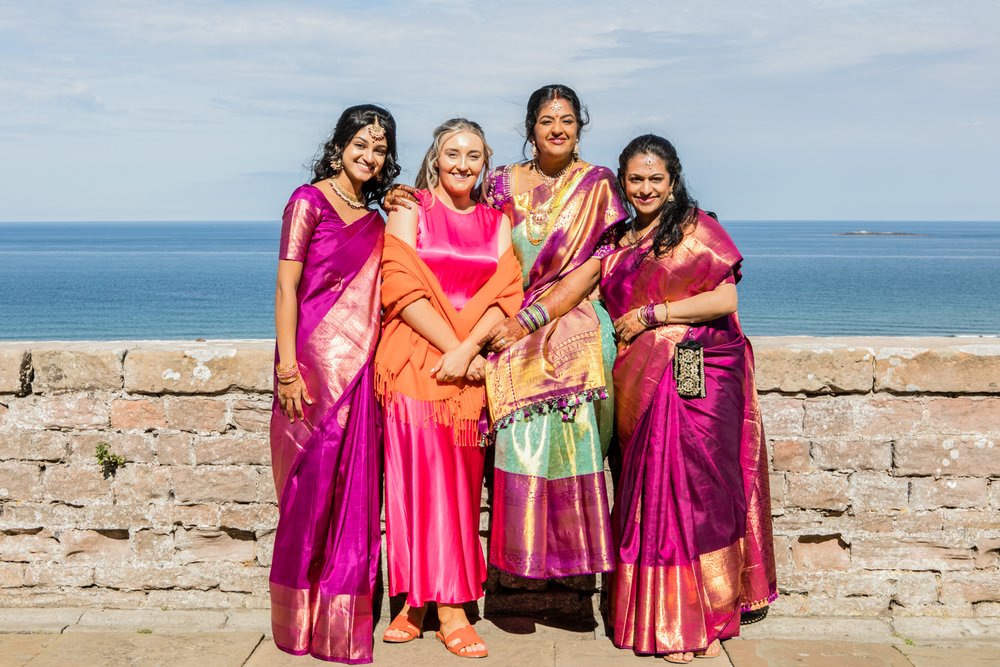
pixel 689 369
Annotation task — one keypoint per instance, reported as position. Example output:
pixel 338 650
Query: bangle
pixel 666 312
pixel 534 317
pixel 287 374
pixel 647 316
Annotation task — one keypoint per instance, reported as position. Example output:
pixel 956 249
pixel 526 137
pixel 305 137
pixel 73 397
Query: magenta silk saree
pixel 327 466
pixel 692 516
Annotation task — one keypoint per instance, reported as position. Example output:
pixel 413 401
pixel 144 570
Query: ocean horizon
pixel 182 280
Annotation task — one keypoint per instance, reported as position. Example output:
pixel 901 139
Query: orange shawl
pixel 404 358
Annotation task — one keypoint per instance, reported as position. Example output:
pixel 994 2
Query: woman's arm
pixel 702 307
pixel 291 395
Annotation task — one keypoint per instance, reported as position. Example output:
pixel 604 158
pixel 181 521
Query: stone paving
pixel 60 637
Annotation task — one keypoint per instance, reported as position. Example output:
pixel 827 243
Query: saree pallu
pixel 549 393
pixel 327 466
pixel 692 520
pixel 434 464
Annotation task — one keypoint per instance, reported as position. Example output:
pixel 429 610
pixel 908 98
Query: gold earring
pixel 337 165
pixel 576 151
pixel 534 151
pixel 670 197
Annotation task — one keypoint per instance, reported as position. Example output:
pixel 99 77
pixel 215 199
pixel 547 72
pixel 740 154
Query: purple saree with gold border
pixel 327 466
pixel 692 516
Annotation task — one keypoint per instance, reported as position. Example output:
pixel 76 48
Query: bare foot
pixel 415 616
pixel 679 658
pixel 452 617
pixel 713 650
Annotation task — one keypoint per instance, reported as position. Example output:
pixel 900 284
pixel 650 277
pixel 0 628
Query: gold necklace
pixel 539 222
pixel 536 170
pixel 348 197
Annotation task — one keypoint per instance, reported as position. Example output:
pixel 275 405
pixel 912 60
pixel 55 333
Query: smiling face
pixel 557 130
pixel 364 157
pixel 460 162
pixel 647 185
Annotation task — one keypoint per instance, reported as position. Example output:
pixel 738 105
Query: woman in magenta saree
pixel 691 520
pixel 326 425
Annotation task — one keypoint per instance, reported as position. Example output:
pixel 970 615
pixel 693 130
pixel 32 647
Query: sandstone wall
pixel 886 474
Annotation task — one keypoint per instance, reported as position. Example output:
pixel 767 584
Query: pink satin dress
pixel 433 487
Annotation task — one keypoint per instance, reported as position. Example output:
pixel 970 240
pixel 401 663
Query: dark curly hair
pixel 544 95
pixel 353 119
pixel 676 217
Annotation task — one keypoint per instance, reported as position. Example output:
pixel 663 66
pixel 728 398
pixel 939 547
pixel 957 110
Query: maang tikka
pixel 376 131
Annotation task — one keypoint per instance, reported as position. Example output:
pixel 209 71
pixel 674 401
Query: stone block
pixel 776 483
pixel 198 545
pixel 154 546
pixel 265 548
pixel 137 414
pixel 850 455
pixel 12 575
pixel 77 369
pixel 969 588
pixel 165 621
pixel 966 369
pixel 20 481
pixel 237 448
pixel 814 653
pixel 938 454
pixel 820 490
pixel 812 553
pixel 173 449
pixel 135 447
pixel 872 630
pixel 995 493
pixel 782 416
pixel 253 516
pixel 220 484
pixel 965 656
pixel 95 546
pixel 878 492
pixel 862 417
pixel 142 484
pixel 930 493
pixel 30 445
pixel 197 414
pixel 795 521
pixel 266 492
pixel 58 575
pixel 881 553
pixel 200 515
pixel 250 579
pixel 988 552
pixel 252 416
pixel 38 620
pixel 194 599
pixel 68 411
pixel 29 546
pixel 816 366
pixel 199 368
pixel 154 576
pixel 76 485
pixel 964 415
pixel 946 629
pixel 15 369
pixel 790 454
pixel 916 589
pixel 34 515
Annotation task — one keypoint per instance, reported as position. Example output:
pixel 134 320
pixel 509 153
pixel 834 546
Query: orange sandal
pixel 462 638
pixel 402 624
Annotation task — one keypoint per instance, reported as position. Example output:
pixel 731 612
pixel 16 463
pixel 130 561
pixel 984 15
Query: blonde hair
pixel 428 178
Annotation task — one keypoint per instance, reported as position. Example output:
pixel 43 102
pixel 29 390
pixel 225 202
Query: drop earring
pixel 576 151
pixel 337 165
pixel 671 198
pixel 534 151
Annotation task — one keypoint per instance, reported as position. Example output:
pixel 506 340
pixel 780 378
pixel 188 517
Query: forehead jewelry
pixel 557 106
pixel 376 131
pixel 648 161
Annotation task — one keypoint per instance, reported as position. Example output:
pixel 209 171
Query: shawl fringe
pixel 567 405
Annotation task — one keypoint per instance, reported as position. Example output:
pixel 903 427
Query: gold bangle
pixel 666 312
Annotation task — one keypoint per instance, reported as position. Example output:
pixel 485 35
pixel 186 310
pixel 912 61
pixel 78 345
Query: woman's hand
pixel 400 196
pixel 454 364
pixel 628 326
pixel 291 396
pixel 504 334
pixel 477 369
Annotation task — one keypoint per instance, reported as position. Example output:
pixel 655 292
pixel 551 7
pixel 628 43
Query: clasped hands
pixel 628 326
pixel 462 363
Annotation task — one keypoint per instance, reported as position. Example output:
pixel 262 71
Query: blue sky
pixel 781 109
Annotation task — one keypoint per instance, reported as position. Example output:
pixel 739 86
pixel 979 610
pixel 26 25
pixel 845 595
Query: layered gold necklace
pixel 348 197
pixel 539 221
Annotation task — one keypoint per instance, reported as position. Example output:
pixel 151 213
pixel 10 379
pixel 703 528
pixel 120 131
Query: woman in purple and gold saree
pixel 326 430
pixel 691 521
pixel 549 385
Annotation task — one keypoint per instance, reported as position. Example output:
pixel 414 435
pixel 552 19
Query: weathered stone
pixel 251 579
pixel 252 416
pixel 995 493
pixel 881 553
pixel 916 589
pixel 776 484
pixel 137 414
pixel 29 516
pixel 194 649
pixel 199 368
pixel 154 545
pixel 870 630
pixel 220 484
pixel 861 416
pixel 969 587
pixel 948 455
pixel 141 484
pixel 813 653
pixel 31 445
pixel 850 455
pixel 200 415
pixel 878 492
pixel 968 656
pixel 254 516
pixel 782 416
pixel 239 448
pixel 134 447
pixel 93 546
pixel 820 490
pixel 791 454
pixel 265 548
pixel 173 449
pixel 12 575
pixel 76 485
pixel 81 369
pixel 813 366
pixel 154 576
pixel 937 629
pixel 69 411
pixel 57 574
pixel 202 516
pixel 158 620
pixel 266 493
pixel 27 547
pixel 195 545
pixel 38 620
pixel 820 552
pixel 21 649
pixel 964 415
pixel 195 599
pixel 929 493
pixel 15 367
pixel 20 481
pixel 966 369
pixel 988 552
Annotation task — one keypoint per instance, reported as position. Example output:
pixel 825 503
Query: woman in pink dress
pixel 449 275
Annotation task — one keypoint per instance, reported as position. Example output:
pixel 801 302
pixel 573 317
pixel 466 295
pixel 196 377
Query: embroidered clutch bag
pixel 689 369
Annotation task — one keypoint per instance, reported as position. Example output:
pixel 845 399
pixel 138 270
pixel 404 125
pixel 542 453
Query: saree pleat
pixel 327 466
pixel 691 520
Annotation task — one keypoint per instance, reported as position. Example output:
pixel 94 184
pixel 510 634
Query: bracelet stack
pixel 534 317
pixel 647 315
pixel 287 374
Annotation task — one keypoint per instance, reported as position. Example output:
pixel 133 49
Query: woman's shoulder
pixel 711 233
pixel 307 192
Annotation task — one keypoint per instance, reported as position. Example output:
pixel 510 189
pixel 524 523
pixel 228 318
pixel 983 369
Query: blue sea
pixel 186 280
